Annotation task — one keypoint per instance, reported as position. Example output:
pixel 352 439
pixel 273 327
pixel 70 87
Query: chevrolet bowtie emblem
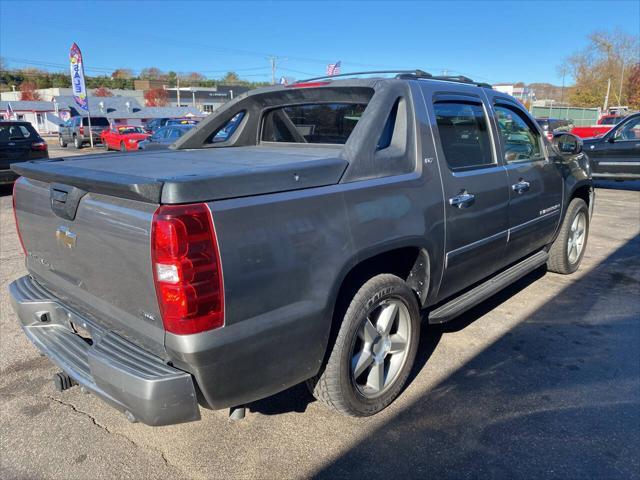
pixel 66 237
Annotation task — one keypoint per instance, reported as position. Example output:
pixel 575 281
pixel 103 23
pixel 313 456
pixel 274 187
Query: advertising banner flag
pixel 77 78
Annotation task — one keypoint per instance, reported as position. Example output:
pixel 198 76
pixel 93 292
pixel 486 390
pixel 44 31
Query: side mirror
pixel 611 139
pixel 567 143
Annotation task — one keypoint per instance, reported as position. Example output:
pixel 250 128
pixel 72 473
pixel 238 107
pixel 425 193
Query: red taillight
pixel 40 146
pixel 15 216
pixel 81 130
pixel 187 269
pixel 307 84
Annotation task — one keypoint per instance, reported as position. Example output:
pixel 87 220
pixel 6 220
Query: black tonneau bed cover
pixel 184 176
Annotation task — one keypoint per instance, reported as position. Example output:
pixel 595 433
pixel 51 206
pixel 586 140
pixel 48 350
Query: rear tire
pixel 62 143
pixel 567 250
pixel 77 143
pixel 374 350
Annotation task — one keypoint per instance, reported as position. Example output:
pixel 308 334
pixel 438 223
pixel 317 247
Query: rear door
pixel 475 186
pixel 535 183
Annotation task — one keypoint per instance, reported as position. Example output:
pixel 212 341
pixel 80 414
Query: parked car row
pixel 76 131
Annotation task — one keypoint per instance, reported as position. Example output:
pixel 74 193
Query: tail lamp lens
pixel 186 268
pixel 40 146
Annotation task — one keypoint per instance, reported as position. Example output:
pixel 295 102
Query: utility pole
pixel 178 87
pixel 606 99
pixel 274 61
pixel 621 81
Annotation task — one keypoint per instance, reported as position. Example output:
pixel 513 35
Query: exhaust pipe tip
pixel 62 381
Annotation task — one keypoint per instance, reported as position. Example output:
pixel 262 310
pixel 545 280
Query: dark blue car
pixel 164 137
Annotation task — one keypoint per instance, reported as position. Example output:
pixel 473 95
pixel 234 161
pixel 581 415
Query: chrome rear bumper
pixel 121 373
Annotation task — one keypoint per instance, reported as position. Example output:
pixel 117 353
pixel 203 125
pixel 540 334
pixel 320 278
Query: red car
pixel 123 137
pixel 606 123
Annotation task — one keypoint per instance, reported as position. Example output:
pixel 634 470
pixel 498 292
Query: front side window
pixel 629 131
pixel 464 134
pixel 160 134
pixel 521 142
pixel 330 123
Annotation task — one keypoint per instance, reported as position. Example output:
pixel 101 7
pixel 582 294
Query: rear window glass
pixel 13 132
pixel 312 123
pixel 463 134
pixel 95 122
pixel 610 121
pixel 544 123
pixel 128 130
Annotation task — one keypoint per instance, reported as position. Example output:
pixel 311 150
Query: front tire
pixel 62 143
pixel 567 250
pixel 374 350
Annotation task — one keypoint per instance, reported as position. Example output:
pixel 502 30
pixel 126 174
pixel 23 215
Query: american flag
pixel 333 69
pixel 9 111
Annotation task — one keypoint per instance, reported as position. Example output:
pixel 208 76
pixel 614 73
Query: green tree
pixel 230 78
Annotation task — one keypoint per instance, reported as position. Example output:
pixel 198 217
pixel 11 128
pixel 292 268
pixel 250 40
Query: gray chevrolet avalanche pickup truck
pixel 307 245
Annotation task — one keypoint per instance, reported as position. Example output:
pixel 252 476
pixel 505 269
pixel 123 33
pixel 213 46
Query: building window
pixel 209 108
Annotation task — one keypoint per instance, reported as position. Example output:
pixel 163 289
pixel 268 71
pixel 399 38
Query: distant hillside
pixel 547 91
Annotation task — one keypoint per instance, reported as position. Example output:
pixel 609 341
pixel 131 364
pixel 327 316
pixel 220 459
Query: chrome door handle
pixel 462 200
pixel 521 187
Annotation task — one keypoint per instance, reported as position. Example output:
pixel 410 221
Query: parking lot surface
pixel 543 380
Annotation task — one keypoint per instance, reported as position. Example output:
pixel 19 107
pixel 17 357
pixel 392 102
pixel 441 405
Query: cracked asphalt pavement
pixel 543 380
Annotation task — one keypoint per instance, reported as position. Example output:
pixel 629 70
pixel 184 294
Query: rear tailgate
pixel 96 258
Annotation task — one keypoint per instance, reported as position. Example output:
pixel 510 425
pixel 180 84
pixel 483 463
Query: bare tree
pixel 603 59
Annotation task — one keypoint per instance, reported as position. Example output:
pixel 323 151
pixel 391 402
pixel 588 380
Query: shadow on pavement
pixel 557 396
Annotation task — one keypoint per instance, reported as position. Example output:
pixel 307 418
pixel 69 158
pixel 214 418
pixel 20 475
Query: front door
pixel 618 154
pixel 535 183
pixel 475 187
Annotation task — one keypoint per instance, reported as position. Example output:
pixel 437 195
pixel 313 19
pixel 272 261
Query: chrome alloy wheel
pixel 380 349
pixel 575 242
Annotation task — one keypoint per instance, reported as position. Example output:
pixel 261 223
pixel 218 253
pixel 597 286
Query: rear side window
pixel 464 134
pixel 174 133
pixel 330 123
pixel 520 141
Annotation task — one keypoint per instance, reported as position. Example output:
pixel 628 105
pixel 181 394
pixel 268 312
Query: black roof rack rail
pixel 399 74
pixel 405 75
pixel 461 79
